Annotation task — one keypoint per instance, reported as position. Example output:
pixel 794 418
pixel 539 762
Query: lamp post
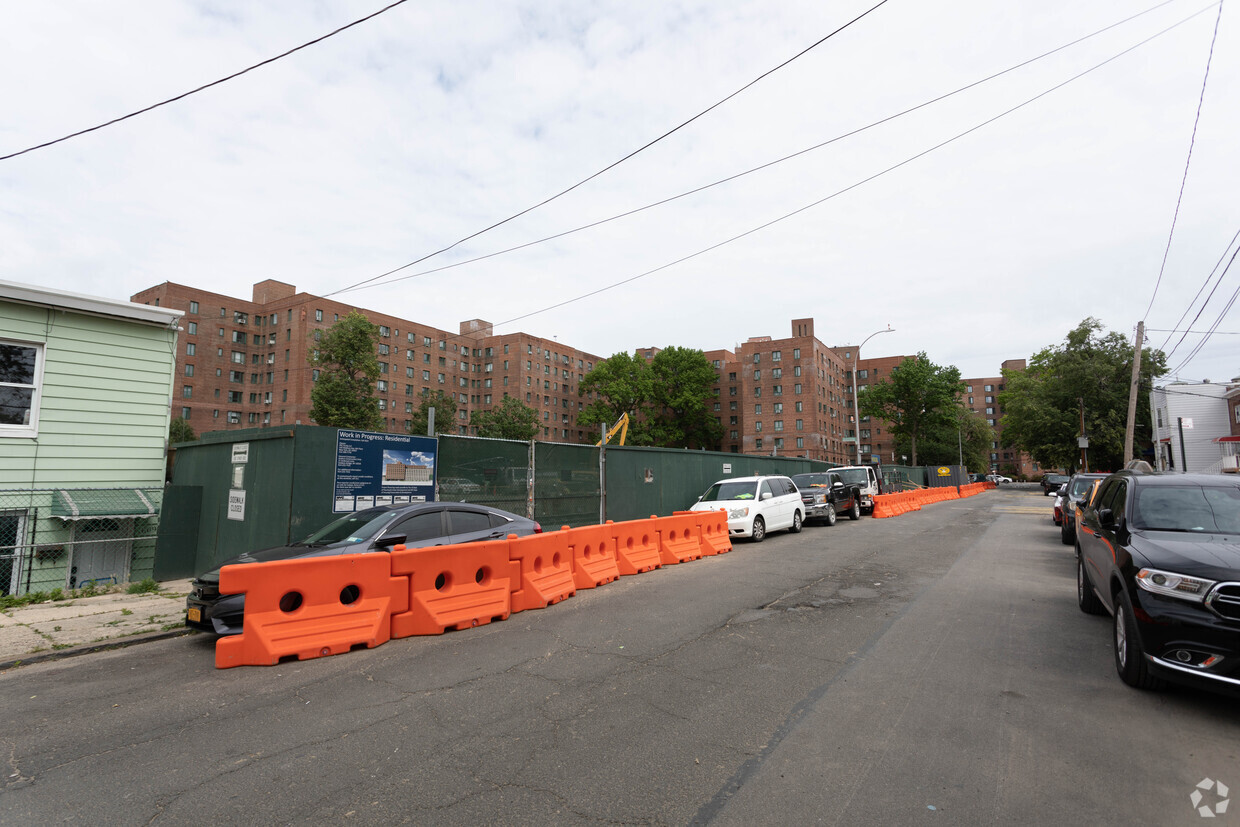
pixel 856 407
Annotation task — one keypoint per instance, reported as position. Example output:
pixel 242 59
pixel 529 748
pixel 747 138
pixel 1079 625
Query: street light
pixel 856 408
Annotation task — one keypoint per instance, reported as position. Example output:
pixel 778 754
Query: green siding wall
pixel 104 400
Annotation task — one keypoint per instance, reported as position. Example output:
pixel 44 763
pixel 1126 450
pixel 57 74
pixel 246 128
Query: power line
pixel 863 181
pixel 204 86
pixel 1207 301
pixel 1218 321
pixel 615 164
pixel 1187 163
pixel 1193 332
pixel 373 281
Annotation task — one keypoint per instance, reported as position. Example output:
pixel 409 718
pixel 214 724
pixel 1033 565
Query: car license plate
pixel 195 615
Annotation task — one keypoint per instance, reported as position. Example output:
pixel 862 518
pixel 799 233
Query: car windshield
pixel 1080 487
pixel 355 527
pixel 730 491
pixel 1205 509
pixel 811 480
pixel 855 475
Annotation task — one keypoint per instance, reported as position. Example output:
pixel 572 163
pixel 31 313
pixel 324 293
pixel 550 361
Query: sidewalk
pixel 45 631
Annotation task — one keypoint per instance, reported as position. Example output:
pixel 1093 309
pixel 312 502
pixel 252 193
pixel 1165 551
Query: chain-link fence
pixel 71 538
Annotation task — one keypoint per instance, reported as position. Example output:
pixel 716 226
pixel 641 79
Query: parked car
pixel 755 505
pixel 1075 492
pixel 1051 483
pixel 998 479
pixel 868 481
pixel 1057 512
pixel 825 495
pixel 371 530
pixel 1161 554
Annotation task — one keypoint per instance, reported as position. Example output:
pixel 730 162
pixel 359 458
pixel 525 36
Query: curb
pixel 88 648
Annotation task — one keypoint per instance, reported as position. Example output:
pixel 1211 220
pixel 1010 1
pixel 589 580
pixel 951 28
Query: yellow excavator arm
pixel 621 426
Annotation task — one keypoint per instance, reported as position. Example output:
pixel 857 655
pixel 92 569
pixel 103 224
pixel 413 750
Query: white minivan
pixel 755 505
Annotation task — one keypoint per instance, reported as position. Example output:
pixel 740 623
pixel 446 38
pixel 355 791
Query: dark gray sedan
pixel 374 529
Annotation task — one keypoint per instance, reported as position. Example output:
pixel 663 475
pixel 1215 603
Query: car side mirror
pixel 766 495
pixel 391 540
pixel 1106 517
pixel 837 484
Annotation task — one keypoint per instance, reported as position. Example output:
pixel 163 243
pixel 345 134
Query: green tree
pixel 510 419
pixel 348 369
pixel 620 384
pixel 944 442
pixel 681 389
pixel 445 413
pixel 920 397
pixel 180 431
pixel 1042 403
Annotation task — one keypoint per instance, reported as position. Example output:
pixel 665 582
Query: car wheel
pixel 796 523
pixel 1065 536
pixel 758 534
pixel 1129 655
pixel 1085 597
pixel 854 513
pixel 830 518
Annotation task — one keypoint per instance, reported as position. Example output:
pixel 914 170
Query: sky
pixel 435 120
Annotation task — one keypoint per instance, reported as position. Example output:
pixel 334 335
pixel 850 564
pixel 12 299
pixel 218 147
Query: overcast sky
pixel 436 119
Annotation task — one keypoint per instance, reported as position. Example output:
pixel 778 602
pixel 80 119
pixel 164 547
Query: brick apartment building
pixel 245 364
pixel 982 397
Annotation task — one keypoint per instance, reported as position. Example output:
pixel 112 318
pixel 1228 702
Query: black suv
pixel 1051 482
pixel 1078 489
pixel 1161 554
pixel 825 495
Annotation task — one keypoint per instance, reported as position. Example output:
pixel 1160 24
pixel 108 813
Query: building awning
pixel 1227 439
pixel 95 504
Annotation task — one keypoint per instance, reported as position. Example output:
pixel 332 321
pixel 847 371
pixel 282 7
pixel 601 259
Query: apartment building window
pixel 777 373
pixel 441 379
pixel 318 315
pixel 185 412
pixel 797 389
pixel 778 390
pixel 796 353
pixel 190 349
pixel 314 375
pixel 382 385
pixel 193 328
pixel 757 443
pixel 757 426
pixel 796 370
pixel 187 391
pixel 240 318
pixel 234 417
pixel 383 349
pixel 757 408
pixel 989 388
pixel 193 307
pixel 779 424
pixel 800 442
pixel 800 427
pixel 235 397
pixel 732 420
pixel 253 398
pixel 990 399
pixel 990 411
pixel 757 358
pixel 238 357
pixel 385 332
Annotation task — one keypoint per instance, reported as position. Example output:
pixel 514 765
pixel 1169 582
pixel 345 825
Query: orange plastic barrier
pixel 310 608
pixel 455 587
pixel 637 546
pixel 715 537
pixel 678 537
pixel 546 562
pixel 594 555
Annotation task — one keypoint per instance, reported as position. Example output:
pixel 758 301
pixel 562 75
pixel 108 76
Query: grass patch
pixel 126 612
pixel 147 586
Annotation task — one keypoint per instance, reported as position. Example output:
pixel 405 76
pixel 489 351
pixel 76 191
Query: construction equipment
pixel 622 425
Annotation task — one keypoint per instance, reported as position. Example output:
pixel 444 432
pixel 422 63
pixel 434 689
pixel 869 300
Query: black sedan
pixel 373 529
pixel 1161 554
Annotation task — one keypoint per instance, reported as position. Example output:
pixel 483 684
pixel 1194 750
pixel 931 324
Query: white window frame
pixel 30 429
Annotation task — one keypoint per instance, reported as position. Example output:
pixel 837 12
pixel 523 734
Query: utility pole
pixel 1081 400
pixel 1132 393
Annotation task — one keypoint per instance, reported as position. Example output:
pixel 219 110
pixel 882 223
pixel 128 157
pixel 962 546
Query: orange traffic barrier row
pixel 901 502
pixel 326 606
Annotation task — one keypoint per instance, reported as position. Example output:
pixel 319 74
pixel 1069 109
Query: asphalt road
pixel 931 668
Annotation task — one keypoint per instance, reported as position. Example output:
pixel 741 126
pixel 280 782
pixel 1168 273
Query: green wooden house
pixel 85 399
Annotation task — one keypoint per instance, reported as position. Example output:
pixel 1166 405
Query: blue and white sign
pixel 378 469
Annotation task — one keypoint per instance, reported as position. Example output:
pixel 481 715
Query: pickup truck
pixel 867 481
pixel 825 495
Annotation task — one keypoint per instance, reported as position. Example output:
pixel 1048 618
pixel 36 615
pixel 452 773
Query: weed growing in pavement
pixel 126 611
pixel 56 646
pixel 147 586
pixel 16 601
pixel 55 628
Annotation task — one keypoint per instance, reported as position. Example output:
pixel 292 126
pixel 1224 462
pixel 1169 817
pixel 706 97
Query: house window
pixel 193 307
pixel 21 373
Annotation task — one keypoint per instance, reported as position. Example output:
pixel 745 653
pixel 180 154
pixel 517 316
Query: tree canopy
pixel 179 430
pixel 963 433
pixel 510 419
pixel 919 398
pixel 445 413
pixel 343 395
pixel 1042 403
pixel 667 399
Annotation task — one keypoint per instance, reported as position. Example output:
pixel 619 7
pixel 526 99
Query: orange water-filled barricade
pixel 714 533
pixel 678 537
pixel 454 587
pixel 310 608
pixel 594 555
pixel 546 569
pixel 637 546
